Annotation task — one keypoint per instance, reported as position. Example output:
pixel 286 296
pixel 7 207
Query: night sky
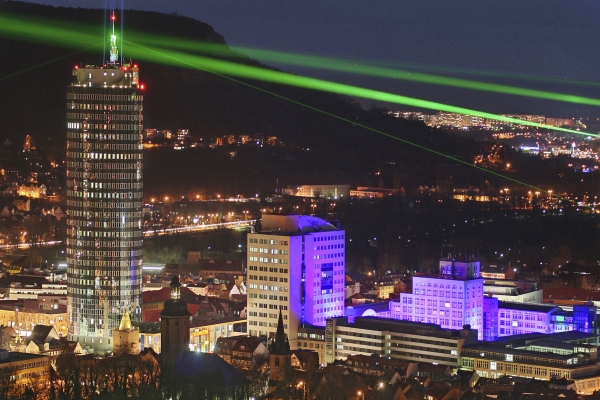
pixel 547 38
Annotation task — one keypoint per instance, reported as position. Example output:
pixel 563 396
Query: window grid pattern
pixel 104 201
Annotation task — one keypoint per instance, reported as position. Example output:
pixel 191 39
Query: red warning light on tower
pixel 113 17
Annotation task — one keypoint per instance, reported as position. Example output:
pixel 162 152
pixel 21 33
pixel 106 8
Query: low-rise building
pixel 569 355
pixel 312 338
pixel 32 292
pixel 502 318
pixel 45 340
pixel 319 191
pixel 205 332
pixel 19 368
pixel 403 340
pixel 24 320
pixel 379 366
pixel 494 271
pixel 33 190
pixel 363 192
pixel 243 352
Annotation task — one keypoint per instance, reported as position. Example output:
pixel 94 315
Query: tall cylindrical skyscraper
pixel 104 201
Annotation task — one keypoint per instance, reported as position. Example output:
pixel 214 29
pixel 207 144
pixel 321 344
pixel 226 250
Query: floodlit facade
pixel 502 318
pixel 296 264
pixel 452 300
pixel 104 199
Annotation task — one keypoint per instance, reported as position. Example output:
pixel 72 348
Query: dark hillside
pixel 32 102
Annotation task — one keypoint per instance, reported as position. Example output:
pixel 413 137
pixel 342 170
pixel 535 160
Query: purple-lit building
pixel 451 300
pixel 296 264
pixel 502 318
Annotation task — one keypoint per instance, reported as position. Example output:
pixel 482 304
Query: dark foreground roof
pixel 205 369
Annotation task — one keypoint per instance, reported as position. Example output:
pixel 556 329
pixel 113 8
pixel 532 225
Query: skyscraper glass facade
pixel 104 201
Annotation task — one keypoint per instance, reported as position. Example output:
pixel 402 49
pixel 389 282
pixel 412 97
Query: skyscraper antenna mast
pixel 114 51
pixel 104 36
pixel 122 21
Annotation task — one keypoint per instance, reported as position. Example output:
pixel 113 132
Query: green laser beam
pixel 485 73
pixel 408 142
pixel 357 67
pixel 48 62
pixel 262 74
pixel 65 37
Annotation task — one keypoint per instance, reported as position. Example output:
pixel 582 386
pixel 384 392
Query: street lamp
pixel 301 383
pixel 361 394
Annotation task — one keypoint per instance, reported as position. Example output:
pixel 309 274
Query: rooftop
pixel 493 348
pixel 397 326
pixel 294 224
pixel 536 307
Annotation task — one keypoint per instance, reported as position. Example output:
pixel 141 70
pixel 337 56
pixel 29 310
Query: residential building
pixel 45 340
pixel 24 320
pixel 205 332
pixel 403 340
pixel 452 300
pixel 296 265
pixel 150 336
pixel 211 268
pixel 493 271
pixel 312 338
pixel 104 199
pixel 243 352
pixel 154 301
pixel 379 366
pixel 33 190
pixel 20 368
pixel 33 292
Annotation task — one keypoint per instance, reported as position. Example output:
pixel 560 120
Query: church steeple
pixel 280 356
pixel 174 326
pixel 281 345
pixel 175 288
pixel 125 324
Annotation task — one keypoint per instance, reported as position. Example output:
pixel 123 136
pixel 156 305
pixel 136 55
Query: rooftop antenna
pixel 114 51
pixel 276 197
pixel 104 36
pixel 122 20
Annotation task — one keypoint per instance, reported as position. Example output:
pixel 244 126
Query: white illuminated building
pixel 452 300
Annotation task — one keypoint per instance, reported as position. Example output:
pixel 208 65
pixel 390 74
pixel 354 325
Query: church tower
pixel 126 338
pixel 174 326
pixel 280 356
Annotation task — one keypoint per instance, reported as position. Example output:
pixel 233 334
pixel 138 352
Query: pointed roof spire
pixel 281 346
pixel 125 324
